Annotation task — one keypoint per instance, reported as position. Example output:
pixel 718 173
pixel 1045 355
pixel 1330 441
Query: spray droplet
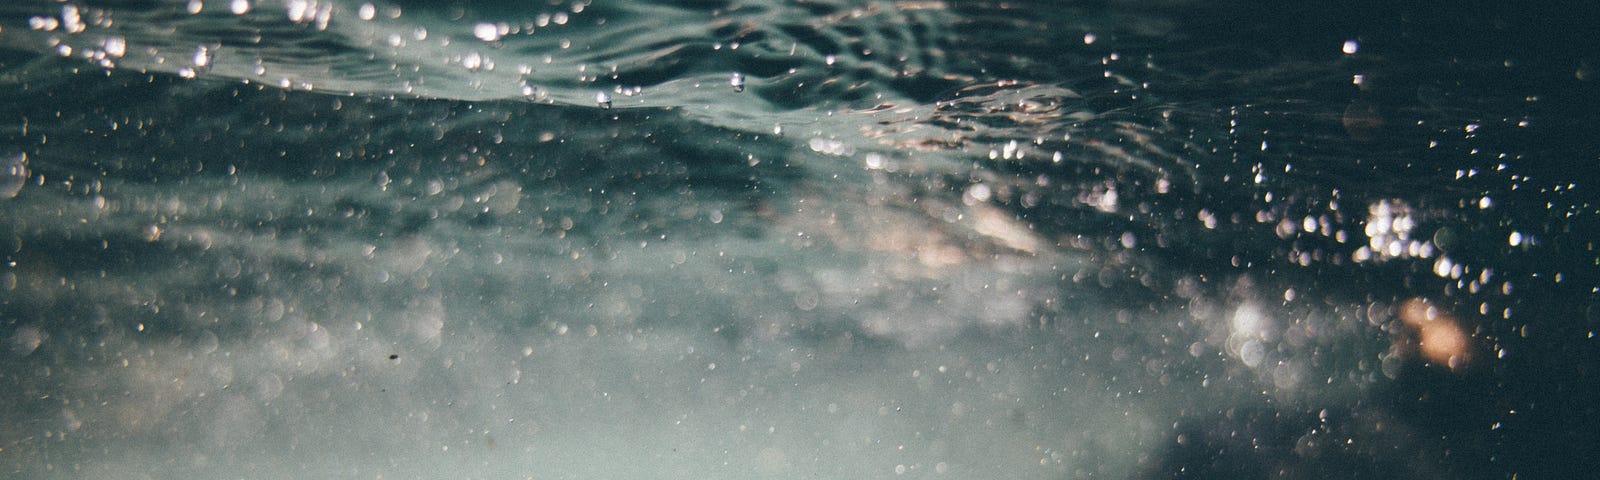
pixel 603 98
pixel 737 81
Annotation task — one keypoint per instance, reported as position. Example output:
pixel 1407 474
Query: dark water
pixel 797 239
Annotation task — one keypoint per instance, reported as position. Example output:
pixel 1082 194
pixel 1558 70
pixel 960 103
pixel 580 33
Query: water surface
pixel 795 239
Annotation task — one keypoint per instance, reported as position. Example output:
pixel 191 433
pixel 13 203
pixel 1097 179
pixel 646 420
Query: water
pixel 726 239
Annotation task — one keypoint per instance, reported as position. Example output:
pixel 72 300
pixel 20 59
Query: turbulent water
pixel 841 239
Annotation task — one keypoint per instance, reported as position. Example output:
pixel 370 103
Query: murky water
pixel 794 239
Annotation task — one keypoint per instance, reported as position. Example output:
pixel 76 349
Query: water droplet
pixel 13 174
pixel 472 61
pixel 239 7
pixel 43 24
pixel 27 339
pixel 737 81
pixel 1252 353
pixel 202 57
pixel 70 20
pixel 115 47
pixel 1350 47
pixel 487 32
pixel 977 193
pixel 298 11
pixel 603 99
pixel 533 93
pixel 875 161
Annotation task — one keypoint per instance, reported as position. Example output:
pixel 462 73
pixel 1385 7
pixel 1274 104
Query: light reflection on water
pixel 747 239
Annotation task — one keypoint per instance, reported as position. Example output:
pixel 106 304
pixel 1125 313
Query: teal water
pixel 779 239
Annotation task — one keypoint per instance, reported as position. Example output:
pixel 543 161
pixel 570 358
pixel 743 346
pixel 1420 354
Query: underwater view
pixel 786 239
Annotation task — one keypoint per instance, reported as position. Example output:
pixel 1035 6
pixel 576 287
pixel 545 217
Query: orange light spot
pixel 1439 336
